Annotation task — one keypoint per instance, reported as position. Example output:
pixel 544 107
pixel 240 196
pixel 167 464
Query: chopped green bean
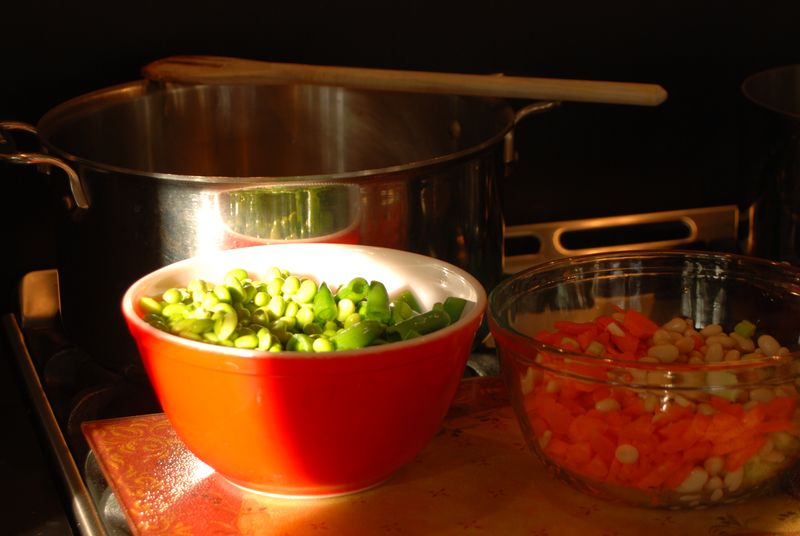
pixel 150 305
pixel 422 323
pixel 356 290
pixel 454 307
pixel 324 304
pixel 285 312
pixel 408 297
pixel 378 303
pixel 358 335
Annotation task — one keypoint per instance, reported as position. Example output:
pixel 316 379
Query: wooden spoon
pixel 225 70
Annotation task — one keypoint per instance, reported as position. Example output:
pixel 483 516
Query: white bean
pixel 614 329
pixel 666 353
pixel 706 409
pixel 774 457
pixel 762 394
pixel 734 479
pixel 545 439
pixel 661 336
pixel 768 344
pixel 732 355
pixel 694 482
pixel 714 353
pixel 716 494
pixel 711 330
pixel 722 339
pixel 713 483
pixel 714 465
pixel 626 454
pixel 742 343
pixel 650 403
pixel 685 344
pixel 606 405
pixel 676 324
pixel 691 332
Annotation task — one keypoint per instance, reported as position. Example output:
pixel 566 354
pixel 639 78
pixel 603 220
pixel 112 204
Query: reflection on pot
pixel 290 212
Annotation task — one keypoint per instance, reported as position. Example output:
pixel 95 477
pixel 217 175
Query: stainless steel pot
pixel 149 165
pixel 771 162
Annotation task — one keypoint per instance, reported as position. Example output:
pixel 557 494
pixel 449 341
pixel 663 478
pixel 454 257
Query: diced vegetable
pixel 287 312
pixel 712 437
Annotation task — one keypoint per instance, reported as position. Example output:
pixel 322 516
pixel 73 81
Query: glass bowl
pixel 659 378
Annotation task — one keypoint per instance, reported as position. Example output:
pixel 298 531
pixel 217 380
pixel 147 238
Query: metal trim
pixel 85 514
pixel 705 225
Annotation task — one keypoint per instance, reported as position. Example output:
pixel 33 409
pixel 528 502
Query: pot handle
pixel 509 155
pixel 78 194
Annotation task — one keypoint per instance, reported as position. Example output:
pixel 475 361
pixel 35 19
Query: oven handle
pixel 720 223
pixel 78 193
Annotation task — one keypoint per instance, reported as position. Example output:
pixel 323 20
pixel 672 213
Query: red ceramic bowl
pixel 303 424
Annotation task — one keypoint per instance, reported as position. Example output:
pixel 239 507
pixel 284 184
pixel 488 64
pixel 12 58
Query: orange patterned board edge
pixel 475 477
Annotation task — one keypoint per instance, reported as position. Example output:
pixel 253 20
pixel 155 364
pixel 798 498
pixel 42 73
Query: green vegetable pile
pixel 285 312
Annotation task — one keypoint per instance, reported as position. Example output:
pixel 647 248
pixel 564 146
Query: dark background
pixel 582 160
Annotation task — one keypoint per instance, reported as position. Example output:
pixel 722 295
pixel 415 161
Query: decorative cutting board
pixel 476 477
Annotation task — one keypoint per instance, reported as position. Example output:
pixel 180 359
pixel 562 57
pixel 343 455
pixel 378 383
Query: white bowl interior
pixel 430 280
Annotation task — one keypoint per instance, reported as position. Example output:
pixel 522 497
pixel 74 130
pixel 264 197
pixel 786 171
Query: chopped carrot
pixel 754 416
pixel 579 453
pixel 596 468
pixel 627 343
pixel 679 475
pixel 601 393
pixel 574 328
pixel 774 426
pixel 604 447
pixel 556 448
pixel 675 429
pixel 538 424
pixel 638 324
pixel 736 443
pixel 660 473
pixel 583 427
pixel 557 416
pixel 722 404
pixel 781 407
pixel 721 425
pixel 585 338
pixel 698 452
pixel 736 459
pixel 545 336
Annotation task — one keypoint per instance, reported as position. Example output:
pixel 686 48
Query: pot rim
pixel 781 74
pixel 100 98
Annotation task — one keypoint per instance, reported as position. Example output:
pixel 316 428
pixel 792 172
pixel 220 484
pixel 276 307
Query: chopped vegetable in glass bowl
pixel 663 379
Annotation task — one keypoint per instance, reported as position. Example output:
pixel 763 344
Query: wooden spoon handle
pixel 224 70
